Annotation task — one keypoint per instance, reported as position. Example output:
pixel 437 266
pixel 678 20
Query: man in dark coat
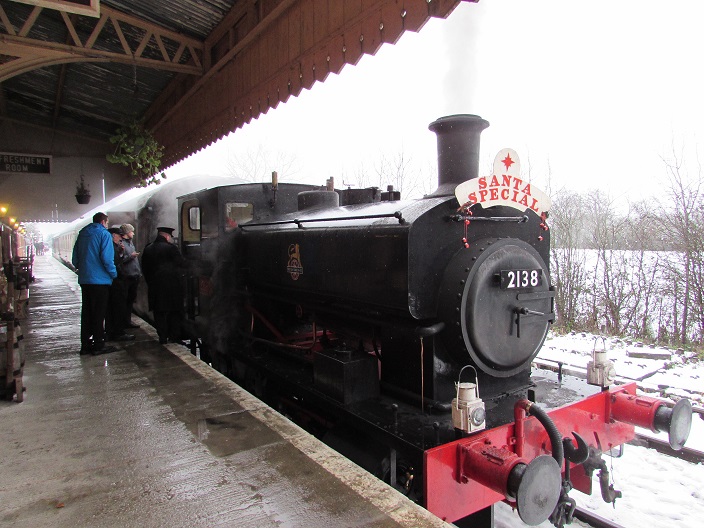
pixel 163 267
pixel 117 300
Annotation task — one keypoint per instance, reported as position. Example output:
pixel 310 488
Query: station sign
pixel 24 163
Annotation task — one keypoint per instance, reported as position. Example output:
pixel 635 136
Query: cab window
pixel 194 218
pixel 237 213
pixel 190 222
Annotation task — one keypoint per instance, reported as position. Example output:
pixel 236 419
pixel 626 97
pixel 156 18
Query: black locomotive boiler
pixel 402 334
pixel 395 275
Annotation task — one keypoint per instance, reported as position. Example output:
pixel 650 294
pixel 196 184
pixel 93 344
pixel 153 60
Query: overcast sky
pixel 593 93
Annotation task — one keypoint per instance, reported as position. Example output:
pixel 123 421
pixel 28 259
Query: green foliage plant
pixel 136 148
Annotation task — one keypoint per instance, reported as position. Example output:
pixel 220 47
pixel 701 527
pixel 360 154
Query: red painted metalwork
pixel 637 410
pixel 488 463
pixel 450 497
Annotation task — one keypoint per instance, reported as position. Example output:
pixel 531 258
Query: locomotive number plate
pixel 521 278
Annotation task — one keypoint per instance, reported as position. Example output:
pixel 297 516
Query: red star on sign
pixel 507 161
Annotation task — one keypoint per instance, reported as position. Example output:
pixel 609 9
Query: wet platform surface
pixel 149 436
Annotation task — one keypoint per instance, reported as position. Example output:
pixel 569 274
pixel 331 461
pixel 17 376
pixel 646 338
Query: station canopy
pixel 191 70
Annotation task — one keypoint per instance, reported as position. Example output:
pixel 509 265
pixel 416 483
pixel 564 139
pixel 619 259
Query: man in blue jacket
pixel 93 256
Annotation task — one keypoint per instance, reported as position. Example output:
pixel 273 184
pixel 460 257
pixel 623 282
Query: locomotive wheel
pixel 405 477
pixel 483 312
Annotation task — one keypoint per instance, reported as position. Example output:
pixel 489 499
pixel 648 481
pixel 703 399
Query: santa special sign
pixel 503 187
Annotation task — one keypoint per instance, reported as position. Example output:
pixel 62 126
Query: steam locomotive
pixel 402 333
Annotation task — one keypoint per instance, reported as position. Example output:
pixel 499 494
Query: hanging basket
pixel 83 198
pixel 136 148
pixel 82 190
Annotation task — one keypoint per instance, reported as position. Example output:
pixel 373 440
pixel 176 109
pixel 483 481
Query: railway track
pixel 594 520
pixel 662 446
pixel 693 456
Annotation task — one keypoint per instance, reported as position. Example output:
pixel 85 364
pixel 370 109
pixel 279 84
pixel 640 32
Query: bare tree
pixel 361 177
pixel 426 180
pixel 395 171
pixel 406 176
pixel 669 306
pixel 256 165
pixel 646 269
pixel 684 220
pixel 569 273
pixel 615 293
pixel 638 272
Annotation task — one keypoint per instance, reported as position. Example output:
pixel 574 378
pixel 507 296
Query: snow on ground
pixel 678 375
pixel 658 491
pixel 657 368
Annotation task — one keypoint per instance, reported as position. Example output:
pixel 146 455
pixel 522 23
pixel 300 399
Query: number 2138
pixel 511 279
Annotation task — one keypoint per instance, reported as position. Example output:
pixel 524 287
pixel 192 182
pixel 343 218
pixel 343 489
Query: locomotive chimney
pixel 458 150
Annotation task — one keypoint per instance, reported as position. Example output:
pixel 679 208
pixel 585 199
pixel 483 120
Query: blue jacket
pixel 93 255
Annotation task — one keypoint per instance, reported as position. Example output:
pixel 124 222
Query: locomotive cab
pixel 208 222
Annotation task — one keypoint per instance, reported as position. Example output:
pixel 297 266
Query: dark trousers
pixel 132 284
pixel 94 299
pixel 168 325
pixel 117 304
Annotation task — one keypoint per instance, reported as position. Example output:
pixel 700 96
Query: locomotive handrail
pixel 516 219
pixel 300 222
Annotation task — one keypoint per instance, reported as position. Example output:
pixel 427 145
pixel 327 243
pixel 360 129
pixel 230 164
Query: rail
pixel 594 520
pixel 688 454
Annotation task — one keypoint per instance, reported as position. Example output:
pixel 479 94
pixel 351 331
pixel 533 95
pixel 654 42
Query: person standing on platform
pixel 93 257
pixel 117 299
pixel 163 267
pixel 131 271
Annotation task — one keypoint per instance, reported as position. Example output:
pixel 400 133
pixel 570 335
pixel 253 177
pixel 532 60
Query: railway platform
pixel 149 436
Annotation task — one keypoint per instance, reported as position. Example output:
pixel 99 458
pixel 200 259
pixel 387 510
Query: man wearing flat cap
pixel 117 299
pixel 163 267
